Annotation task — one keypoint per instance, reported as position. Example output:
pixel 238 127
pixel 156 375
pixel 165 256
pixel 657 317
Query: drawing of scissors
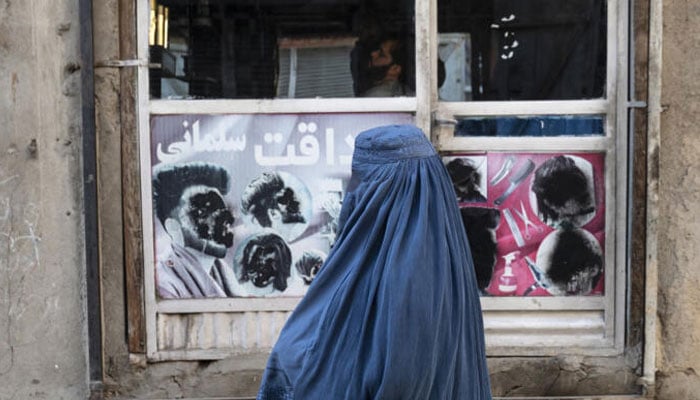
pixel 538 275
pixel 528 223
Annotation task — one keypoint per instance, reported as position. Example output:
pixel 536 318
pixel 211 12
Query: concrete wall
pixel 42 306
pixel 679 187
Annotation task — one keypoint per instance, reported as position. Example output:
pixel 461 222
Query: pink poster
pixel 535 221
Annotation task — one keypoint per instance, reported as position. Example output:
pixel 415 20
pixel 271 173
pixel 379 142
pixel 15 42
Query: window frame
pixel 544 326
pixel 614 108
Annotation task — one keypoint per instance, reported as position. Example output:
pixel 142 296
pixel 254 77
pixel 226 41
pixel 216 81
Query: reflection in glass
pixel 531 126
pixel 248 49
pixel 521 49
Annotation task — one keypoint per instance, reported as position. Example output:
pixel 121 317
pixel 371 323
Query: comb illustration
pixel 515 180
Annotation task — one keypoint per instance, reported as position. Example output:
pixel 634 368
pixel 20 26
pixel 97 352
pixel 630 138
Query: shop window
pixel 248 114
pixel 274 48
pixel 530 50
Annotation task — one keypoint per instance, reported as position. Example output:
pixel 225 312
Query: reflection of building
pixel 454 49
pixel 285 49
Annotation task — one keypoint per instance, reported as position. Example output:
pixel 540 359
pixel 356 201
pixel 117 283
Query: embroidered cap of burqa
pixel 394 312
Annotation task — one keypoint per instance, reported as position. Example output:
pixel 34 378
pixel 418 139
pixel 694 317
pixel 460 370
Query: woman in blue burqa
pixel 394 312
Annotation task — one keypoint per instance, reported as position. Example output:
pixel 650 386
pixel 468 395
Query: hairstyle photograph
pixel 192 195
pixel 466 179
pixel 480 224
pixel 171 180
pixel 276 193
pixel 564 191
pixel 572 260
pixel 308 265
pixel 265 261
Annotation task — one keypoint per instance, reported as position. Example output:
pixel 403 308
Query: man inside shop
pixel 385 72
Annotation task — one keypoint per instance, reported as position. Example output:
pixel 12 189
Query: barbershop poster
pixel 247 205
pixel 535 221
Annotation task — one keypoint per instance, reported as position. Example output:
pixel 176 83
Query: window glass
pixel 531 126
pixel 245 49
pixel 521 49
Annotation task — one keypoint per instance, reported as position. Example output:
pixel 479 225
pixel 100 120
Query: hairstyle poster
pixel 535 221
pixel 248 205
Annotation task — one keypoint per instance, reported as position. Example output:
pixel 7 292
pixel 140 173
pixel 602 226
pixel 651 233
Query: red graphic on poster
pixel 535 221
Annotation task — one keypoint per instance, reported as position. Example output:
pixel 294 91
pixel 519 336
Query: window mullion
pixel 426 34
pixel 282 106
pixel 142 20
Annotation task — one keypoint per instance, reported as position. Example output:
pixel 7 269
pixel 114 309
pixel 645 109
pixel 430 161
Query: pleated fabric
pixel 394 312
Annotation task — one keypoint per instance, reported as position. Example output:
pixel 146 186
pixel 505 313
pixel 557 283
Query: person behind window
pixel 386 69
pixel 393 312
pixel 382 71
pixel 189 203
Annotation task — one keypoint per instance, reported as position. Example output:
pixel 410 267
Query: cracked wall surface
pixel 679 189
pixel 42 310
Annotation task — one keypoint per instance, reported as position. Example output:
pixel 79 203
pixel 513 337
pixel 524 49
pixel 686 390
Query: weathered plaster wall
pixel 679 225
pixel 129 376
pixel 42 306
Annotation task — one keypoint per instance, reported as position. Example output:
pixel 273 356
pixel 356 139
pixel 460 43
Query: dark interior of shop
pixel 250 49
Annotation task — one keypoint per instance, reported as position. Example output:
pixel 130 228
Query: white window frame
pixel 515 326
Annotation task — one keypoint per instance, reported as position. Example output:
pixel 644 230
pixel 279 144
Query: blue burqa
pixel 394 312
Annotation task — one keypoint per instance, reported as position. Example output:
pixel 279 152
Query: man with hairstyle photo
pixel 387 69
pixel 188 200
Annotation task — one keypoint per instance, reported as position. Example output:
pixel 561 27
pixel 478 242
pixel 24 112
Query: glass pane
pixel 521 49
pixel 245 49
pixel 535 221
pixel 531 126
